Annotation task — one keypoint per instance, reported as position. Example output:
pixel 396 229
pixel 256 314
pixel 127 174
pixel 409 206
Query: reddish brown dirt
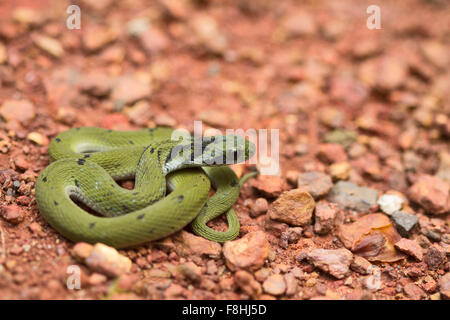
pixel 305 68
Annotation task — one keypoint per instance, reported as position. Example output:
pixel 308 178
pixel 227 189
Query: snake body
pixel 86 163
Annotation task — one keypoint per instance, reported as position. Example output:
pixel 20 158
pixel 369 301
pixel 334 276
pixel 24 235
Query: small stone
pixel 187 244
pixel 331 153
pixel 164 120
pixel 96 279
pixel 435 257
pixel 431 193
pixel 3 54
pixel 38 138
pixel 247 283
pixel 108 261
pixel 361 265
pixel 335 262
pixel 97 38
pixel 96 84
pixel 269 186
pixel 275 285
pixel 316 183
pixel 404 222
pixel 140 113
pixel 343 137
pixel 444 285
pixel 340 170
pixel 390 203
pixel 215 118
pixel 49 45
pixel 351 196
pixel 294 207
pixel 385 73
pixel 81 251
pixel 154 40
pixel 325 217
pixel 17 110
pixel 260 207
pixel 291 284
pixel 35 228
pixel 206 29
pixel 129 90
pixel 13 214
pixel 190 271
pixel 410 247
pixel 299 24
pixel 413 291
pixel 249 252
pixel 436 53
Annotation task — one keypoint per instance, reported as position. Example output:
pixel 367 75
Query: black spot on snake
pixel 124 207
pixel 81 161
pixel 135 193
pixel 76 183
pixel 78 129
pixel 92 225
pixel 180 198
pixel 131 142
pixel 233 184
pixel 58 140
pixel 152 150
pixel 44 179
pixel 87 156
pixel 56 203
pixel 141 216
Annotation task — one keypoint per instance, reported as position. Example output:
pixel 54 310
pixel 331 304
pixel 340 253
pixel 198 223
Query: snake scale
pixel 86 164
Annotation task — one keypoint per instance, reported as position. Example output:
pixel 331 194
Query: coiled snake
pixel 86 163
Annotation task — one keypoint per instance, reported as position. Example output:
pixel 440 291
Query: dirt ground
pixel 370 107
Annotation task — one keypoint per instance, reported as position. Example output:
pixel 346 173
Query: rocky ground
pixel 360 207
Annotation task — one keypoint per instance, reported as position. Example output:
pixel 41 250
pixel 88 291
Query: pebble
pixel 275 285
pixel 413 291
pixel 190 271
pixel 436 53
pixel 108 261
pixel 13 214
pixel 342 137
pixel 361 265
pixel 81 251
pixel 128 90
pixel 49 45
pixel 351 196
pixel 331 153
pixel 404 222
pixel 187 244
pixel 410 247
pixel 316 183
pixel 3 54
pixel 247 283
pixel 38 138
pixel 340 170
pixel 96 279
pixel 291 284
pixel 17 110
pixel 140 113
pixel 260 207
pixel 431 193
pixel 269 186
pixel 325 216
pixel 249 252
pixel 97 38
pixel 299 24
pixel 444 285
pixel 335 262
pixel 435 257
pixel 294 207
pixel 385 73
pixel 96 84
pixel 390 203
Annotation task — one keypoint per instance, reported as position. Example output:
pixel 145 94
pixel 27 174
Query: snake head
pixel 210 151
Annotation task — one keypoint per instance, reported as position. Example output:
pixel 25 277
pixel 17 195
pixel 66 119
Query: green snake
pixel 86 164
